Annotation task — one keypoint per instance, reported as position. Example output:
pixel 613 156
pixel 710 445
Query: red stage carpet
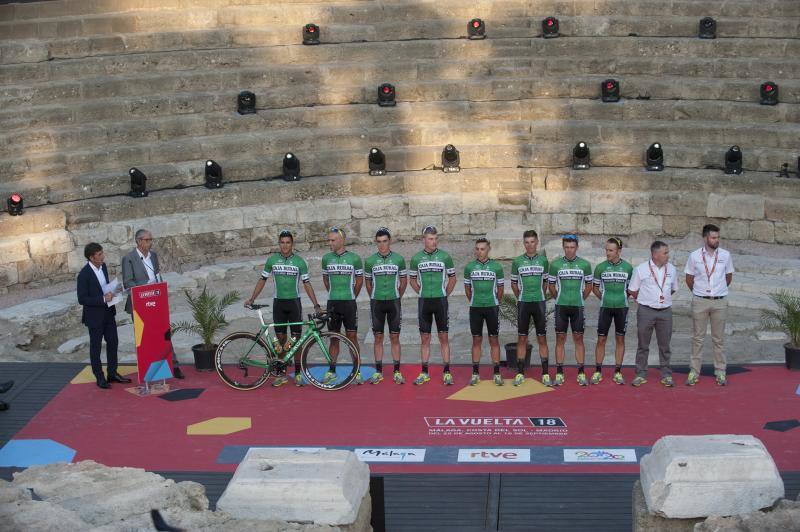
pixel 604 428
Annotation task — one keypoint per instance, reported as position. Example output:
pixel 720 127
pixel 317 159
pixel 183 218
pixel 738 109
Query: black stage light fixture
pixel 213 174
pixel 769 93
pixel 733 161
pixel 784 171
pixel 246 103
pixel 708 28
pixel 291 167
pixel 550 28
pixel 580 157
pixel 610 90
pixel 654 158
pixel 451 161
pixel 386 95
pixel 14 203
pixel 138 183
pixel 377 162
pixel 310 34
pixel 476 29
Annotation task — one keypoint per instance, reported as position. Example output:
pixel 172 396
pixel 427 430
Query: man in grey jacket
pixel 139 267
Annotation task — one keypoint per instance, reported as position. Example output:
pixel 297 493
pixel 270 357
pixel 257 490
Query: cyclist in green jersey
pixel 570 280
pixel 343 276
pixel 529 274
pixel 433 276
pixel 288 271
pixel 610 285
pixel 483 285
pixel 386 277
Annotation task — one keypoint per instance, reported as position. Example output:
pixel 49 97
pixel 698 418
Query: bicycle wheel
pixel 315 361
pixel 231 358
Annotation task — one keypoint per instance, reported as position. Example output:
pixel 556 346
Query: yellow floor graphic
pixel 86 376
pixel 218 426
pixel 487 392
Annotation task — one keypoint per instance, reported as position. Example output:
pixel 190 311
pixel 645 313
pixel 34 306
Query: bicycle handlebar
pixel 255 306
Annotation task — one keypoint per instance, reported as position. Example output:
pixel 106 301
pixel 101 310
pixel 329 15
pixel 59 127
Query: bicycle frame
pixel 310 332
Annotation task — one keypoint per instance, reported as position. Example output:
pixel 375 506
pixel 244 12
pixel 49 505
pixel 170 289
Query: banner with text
pixel 151 329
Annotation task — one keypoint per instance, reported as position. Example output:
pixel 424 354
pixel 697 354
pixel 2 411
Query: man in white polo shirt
pixel 652 286
pixel 709 273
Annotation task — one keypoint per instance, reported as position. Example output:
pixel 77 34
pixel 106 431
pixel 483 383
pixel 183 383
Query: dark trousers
pixel 107 330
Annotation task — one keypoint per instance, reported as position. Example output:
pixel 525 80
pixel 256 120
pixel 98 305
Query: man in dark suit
pixel 94 295
pixel 139 267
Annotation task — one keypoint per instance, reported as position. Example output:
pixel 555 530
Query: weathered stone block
pixel 676 225
pixel 479 202
pixel 762 231
pixel 617 224
pixel 563 223
pixel 427 205
pixel 642 223
pixel 782 209
pixel 261 215
pixel 159 226
pixel 744 206
pixel 14 249
pixel 620 203
pixel 49 243
pixel 456 224
pixel 322 211
pixel 590 224
pixel 736 229
pixel 646 521
pixel 376 206
pixel 557 201
pixel 481 223
pixel 8 274
pixel 699 476
pixel 217 220
pixel 324 487
pixel 787 233
pixel 677 203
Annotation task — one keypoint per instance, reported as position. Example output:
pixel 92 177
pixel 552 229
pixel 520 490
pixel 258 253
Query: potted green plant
pixel 208 312
pixel 787 317
pixel 508 311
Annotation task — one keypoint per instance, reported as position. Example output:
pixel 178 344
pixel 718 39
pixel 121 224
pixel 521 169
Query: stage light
pixel 213 174
pixel 291 167
pixel 386 95
pixel 14 203
pixel 550 28
pixel 733 161
pixel 377 162
pixel 708 28
pixel 476 29
pixel 310 34
pixel 610 90
pixel 246 103
pixel 769 93
pixel 654 158
pixel 451 160
pixel 138 183
pixel 784 171
pixel 580 157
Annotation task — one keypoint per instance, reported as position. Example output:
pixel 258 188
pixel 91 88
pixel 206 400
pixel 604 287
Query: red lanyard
pixel 713 268
pixel 663 281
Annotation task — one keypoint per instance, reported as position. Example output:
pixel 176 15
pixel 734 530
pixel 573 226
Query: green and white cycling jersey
pixel 341 271
pixel 613 280
pixel 570 278
pixel 432 270
pixel 385 273
pixel 484 278
pixel 528 273
pixel 287 273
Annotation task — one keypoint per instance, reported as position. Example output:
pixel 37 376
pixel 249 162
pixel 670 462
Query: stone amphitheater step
pixel 327 135
pixel 355 8
pixel 202 112
pixel 68 176
pixel 301 92
pixel 245 63
pixel 130 34
pixel 61 20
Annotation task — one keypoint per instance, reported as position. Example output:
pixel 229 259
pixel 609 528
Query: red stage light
pixel 386 90
pixel 16 198
pixel 476 24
